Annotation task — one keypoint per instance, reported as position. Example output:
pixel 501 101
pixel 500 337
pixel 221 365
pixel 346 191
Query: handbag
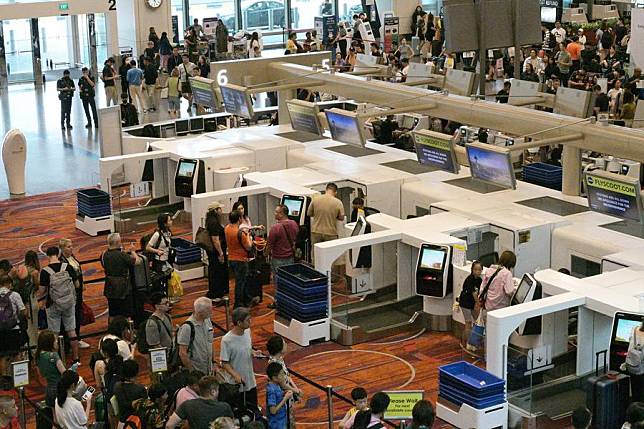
pixel 164 93
pixel 87 316
pixel 478 332
pixel 175 289
pixel 202 239
pixel 297 252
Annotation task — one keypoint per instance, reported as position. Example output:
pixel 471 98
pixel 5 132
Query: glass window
pixel 17 45
pixel 177 10
pixel 83 35
pixel 55 44
pixel 348 8
pixel 432 6
pixel 101 38
pixel 224 9
pixel 303 12
pixel 263 15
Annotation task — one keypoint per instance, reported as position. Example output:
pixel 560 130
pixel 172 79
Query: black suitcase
pixel 142 278
pixel 44 417
pixel 607 397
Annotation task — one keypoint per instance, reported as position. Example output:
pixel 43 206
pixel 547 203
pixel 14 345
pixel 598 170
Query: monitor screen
pixel 624 329
pixel 432 259
pixel 491 165
pixel 549 14
pixel 294 205
pixel 435 149
pixel 204 92
pixel 358 227
pixel 168 130
pixel 614 195
pixel 409 122
pixel 345 127
pixel 196 124
pixel 236 101
pixel 182 126
pixel 522 290
pixel 304 116
pixel 186 168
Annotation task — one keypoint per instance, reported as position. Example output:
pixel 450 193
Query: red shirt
pixel 278 242
pixel 13 424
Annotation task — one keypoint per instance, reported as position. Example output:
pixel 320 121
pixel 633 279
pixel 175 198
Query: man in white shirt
pixel 559 32
pixel 186 70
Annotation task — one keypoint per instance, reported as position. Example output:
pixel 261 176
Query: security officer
pixel 66 88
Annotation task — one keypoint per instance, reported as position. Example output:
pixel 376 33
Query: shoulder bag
pixel 297 252
pixel 483 294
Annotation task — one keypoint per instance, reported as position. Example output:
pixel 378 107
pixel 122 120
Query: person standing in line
pixel 201 412
pixel 66 88
pixel 217 264
pixel 174 60
pixel 151 83
pixel 134 81
pixel 174 93
pixel 86 86
pixel 158 327
pixel 165 51
pixel 118 288
pixel 325 210
pixel 67 256
pixel 239 243
pixel 255 50
pixel 237 354
pixel 558 32
pixel 195 338
pixel 109 77
pixel 69 411
pixel 282 239
pixel 123 69
pixel 14 314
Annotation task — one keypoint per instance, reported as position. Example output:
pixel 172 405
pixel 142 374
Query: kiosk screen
pixel 623 326
pixel 186 169
pixel 435 149
pixel 304 116
pixel 182 126
pixel 236 101
pixel 491 165
pixel 196 124
pixel 614 195
pixel 345 127
pixel 204 93
pixel 294 205
pixel 358 228
pixel 432 259
pixel 624 329
pixel 522 291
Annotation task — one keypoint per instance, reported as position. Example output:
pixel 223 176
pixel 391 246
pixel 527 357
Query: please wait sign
pixel 401 403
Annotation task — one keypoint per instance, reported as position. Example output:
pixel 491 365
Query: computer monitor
pixel 623 326
pixel 204 92
pixel 168 131
pixel 186 168
pixel 528 290
pixel 237 101
pixel 614 195
pixel 433 270
pixel 491 164
pixel 304 116
pixel 549 15
pixel 182 126
pixel 345 127
pixel 436 150
pixel 196 125
pixel 409 122
pixel 296 205
pixel 432 258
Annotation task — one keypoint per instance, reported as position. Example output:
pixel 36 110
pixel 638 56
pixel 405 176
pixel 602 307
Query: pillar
pixel 282 97
pixel 35 52
pixel 112 29
pixel 75 38
pixel 4 82
pixel 571 163
pixel 91 38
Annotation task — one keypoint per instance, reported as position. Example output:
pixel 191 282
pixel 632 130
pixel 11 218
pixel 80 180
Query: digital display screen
pixel 436 150
pixel 186 169
pixel 549 14
pixel 490 165
pixel 203 92
pixel 196 124
pixel 614 195
pixel 236 101
pixel 168 130
pixel 182 126
pixel 357 228
pixel 303 116
pixel 624 329
pixel 522 291
pixel 432 259
pixel 345 127
pixel 294 205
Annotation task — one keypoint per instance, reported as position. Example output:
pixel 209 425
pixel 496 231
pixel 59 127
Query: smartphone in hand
pixel 88 393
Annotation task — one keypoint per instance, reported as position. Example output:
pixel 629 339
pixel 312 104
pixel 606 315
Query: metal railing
pixel 24 399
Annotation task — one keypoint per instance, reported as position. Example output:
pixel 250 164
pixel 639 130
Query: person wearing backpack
pixel 26 283
pixel 11 309
pixel 57 294
pixel 634 364
pixel 67 255
pixel 118 284
pixel 195 338
pixel 239 244
pixel 160 244
pixel 157 330
pixel 467 300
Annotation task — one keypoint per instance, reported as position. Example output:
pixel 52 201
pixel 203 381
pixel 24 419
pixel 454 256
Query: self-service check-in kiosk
pixel 528 290
pixel 189 178
pixel 297 206
pixel 433 271
pixel 624 324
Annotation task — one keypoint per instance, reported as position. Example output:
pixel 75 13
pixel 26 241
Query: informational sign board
pixel 204 92
pixel 392 29
pixel 20 373
pixel 614 195
pixel 141 189
pixel 401 403
pixel 175 29
pixel 209 26
pixel 236 100
pixel 158 360
pixel 329 28
pixel 436 150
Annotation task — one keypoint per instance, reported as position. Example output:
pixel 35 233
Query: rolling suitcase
pixel 142 278
pixel 607 397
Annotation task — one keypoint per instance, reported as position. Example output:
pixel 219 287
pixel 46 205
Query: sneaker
pixel 83 345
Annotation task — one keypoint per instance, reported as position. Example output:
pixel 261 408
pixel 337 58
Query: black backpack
pixel 8 318
pixel 141 337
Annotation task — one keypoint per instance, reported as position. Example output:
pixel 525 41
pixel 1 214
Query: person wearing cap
pixel 582 36
pixel 109 77
pixel 217 263
pixel 66 88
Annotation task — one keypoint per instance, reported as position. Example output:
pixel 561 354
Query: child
pixel 359 397
pixel 276 347
pixel 470 292
pixel 8 413
pixel 276 398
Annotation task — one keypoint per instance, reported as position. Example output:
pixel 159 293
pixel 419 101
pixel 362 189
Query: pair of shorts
pixel 174 104
pixel 56 316
pixel 11 342
pixel 120 307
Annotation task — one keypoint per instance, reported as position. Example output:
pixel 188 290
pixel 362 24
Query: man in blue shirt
pixel 134 80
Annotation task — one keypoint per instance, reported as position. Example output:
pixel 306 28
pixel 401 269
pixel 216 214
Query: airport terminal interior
pixel 280 214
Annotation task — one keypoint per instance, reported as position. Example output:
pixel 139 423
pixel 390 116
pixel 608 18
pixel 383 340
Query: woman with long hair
pixel 70 413
pixel 160 243
pixel 67 256
pixel 107 372
pixel 165 50
pixel 26 284
pixel 255 48
pixel 49 364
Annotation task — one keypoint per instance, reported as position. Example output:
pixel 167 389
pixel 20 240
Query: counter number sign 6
pixel 222 77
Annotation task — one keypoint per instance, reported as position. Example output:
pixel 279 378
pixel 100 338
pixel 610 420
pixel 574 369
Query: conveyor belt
pixel 353 151
pixel 554 206
pixel 301 136
pixel 474 185
pixel 409 166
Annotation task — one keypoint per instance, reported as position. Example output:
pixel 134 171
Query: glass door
pixel 18 49
pixel 55 43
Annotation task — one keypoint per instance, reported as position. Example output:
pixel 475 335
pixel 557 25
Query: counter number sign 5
pixel 222 77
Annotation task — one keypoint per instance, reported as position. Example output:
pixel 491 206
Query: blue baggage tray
pixel 299 311
pixel 99 208
pixel 303 293
pixel 92 195
pixel 542 169
pixel 474 394
pixel 316 306
pixel 302 275
pixel 187 251
pixel 287 314
pixel 459 397
pixel 470 377
pixel 322 296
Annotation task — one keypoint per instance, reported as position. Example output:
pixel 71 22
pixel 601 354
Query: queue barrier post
pixel 329 400
pixel 226 310
pixel 23 415
pixel 61 348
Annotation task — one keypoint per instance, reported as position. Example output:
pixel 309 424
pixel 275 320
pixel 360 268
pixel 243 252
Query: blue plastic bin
pixel 470 378
pixel 543 174
pixel 93 203
pixel 187 251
